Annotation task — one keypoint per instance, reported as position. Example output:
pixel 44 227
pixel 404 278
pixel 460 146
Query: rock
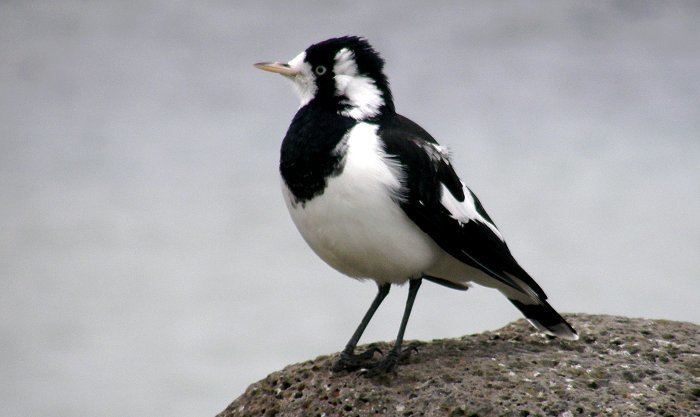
pixel 619 367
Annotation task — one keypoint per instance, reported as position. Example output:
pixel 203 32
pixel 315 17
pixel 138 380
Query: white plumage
pixel 303 81
pixel 387 208
pixel 356 225
pixel 465 211
pixel 362 94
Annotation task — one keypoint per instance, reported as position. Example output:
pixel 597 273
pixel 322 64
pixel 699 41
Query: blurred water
pixel 148 265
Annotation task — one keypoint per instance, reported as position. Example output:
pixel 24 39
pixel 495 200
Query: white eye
pixel 320 70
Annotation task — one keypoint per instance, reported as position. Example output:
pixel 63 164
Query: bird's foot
pixel 390 361
pixel 349 361
pixel 405 355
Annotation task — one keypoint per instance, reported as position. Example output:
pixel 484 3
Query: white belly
pixel 356 226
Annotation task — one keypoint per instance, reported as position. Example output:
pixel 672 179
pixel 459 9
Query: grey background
pixel 148 265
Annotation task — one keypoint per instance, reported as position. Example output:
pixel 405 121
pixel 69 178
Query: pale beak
pixel 278 67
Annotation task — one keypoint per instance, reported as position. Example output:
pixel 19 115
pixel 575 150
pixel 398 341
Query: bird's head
pixel 340 74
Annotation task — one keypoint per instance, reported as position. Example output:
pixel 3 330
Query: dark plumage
pixel 375 196
pixel 307 158
pixel 369 63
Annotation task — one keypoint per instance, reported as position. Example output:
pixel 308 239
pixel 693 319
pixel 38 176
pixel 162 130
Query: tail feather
pixel 546 319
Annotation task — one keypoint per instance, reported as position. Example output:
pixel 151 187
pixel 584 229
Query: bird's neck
pixel 359 98
pixel 310 150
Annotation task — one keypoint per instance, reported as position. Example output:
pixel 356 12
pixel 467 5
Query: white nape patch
pixel 304 82
pixel 356 224
pixel 360 92
pixel 464 211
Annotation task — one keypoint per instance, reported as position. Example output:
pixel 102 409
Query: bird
pixel 376 197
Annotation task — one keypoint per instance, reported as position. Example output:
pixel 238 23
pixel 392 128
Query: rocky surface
pixel 619 367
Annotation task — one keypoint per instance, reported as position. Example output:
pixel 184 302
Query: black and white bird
pixel 376 197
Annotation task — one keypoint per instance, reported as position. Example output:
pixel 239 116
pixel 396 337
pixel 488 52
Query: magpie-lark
pixel 375 196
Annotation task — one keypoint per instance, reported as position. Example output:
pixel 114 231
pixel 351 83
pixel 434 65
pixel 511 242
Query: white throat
pixel 304 82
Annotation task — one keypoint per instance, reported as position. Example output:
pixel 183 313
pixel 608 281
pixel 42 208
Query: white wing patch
pixel 464 211
pixel 360 92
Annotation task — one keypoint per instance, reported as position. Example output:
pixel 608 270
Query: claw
pixel 405 355
pixel 351 362
pixel 371 350
pixel 385 366
pixel 390 361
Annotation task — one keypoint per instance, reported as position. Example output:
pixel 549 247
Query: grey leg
pixel 349 361
pixel 392 358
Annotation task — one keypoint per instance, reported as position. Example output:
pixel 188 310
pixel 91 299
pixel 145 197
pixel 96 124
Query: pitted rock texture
pixel 619 367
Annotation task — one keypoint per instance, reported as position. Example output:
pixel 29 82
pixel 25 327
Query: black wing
pixel 427 169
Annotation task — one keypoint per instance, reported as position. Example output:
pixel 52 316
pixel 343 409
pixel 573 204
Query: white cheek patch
pixel 360 92
pixel 464 211
pixel 304 82
pixel 345 62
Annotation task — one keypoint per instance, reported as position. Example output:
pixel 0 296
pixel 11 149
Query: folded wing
pixel 444 208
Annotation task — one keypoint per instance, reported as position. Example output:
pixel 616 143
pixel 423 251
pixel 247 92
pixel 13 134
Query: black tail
pixel 546 319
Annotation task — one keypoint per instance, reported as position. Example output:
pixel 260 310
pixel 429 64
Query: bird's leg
pixel 349 360
pixel 395 355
